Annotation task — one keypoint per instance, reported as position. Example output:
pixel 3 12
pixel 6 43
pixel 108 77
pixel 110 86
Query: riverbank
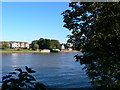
pixel 17 51
pixel 35 51
pixel 69 51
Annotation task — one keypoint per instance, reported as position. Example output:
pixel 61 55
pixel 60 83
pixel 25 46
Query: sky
pixel 28 21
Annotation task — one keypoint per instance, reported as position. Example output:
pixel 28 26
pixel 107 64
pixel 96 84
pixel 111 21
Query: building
pixel 66 46
pixel 17 44
pixel 45 51
pixel 62 47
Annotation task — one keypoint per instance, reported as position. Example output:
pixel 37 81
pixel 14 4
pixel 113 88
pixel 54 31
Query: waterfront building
pixel 66 46
pixel 70 49
pixel 62 46
pixel 45 51
pixel 17 44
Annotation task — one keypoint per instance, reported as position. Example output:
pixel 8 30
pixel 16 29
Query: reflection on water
pixel 53 69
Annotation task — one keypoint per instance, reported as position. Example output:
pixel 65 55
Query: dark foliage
pixel 95 29
pixel 46 44
pixel 21 80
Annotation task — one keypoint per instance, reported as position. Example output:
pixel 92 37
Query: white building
pixel 45 51
pixel 62 46
pixel 70 49
pixel 66 46
pixel 16 44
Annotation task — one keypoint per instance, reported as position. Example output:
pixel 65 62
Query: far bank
pixel 62 51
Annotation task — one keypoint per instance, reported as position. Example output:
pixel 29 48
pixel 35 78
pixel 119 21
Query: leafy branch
pixel 20 80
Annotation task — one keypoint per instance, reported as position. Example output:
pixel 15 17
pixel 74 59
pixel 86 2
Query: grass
pixel 15 50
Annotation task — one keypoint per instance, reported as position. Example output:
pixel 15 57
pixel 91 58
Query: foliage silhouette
pixel 95 28
pixel 21 80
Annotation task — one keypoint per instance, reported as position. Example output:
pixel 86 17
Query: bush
pixel 5 45
pixel 18 49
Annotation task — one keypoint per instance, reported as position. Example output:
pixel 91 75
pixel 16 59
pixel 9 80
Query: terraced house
pixel 17 44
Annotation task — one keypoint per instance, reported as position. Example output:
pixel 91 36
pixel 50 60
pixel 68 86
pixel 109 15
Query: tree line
pixel 37 44
pixel 45 44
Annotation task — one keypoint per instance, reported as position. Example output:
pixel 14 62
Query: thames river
pixel 55 70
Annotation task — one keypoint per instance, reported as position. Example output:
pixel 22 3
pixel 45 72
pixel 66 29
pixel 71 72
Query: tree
pixel 96 29
pixel 54 44
pixel 46 43
pixel 35 46
pixel 5 45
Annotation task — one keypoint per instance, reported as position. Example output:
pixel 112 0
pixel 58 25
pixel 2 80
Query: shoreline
pixel 19 51
pixel 69 51
pixel 62 51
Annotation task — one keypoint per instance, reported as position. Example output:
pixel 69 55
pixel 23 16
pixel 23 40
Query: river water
pixel 55 70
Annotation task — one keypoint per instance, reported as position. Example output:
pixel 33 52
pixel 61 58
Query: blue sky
pixel 28 21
